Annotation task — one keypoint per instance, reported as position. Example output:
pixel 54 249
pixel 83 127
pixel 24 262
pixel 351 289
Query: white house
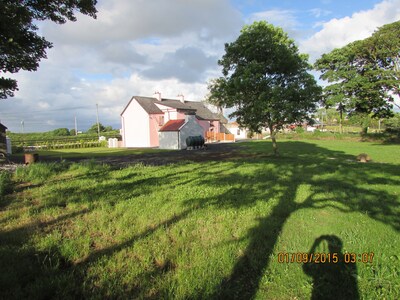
pixel 143 117
pixel 236 130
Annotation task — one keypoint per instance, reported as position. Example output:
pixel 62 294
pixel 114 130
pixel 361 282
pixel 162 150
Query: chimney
pixel 181 98
pixel 157 95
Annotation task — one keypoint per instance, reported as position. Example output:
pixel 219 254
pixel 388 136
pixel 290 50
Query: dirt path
pixel 214 152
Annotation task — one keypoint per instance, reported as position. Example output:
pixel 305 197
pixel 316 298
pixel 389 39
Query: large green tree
pixel 20 45
pixel 363 75
pixel 382 49
pixel 266 80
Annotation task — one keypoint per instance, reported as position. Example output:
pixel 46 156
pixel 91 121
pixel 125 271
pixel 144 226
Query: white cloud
pixel 105 60
pixel 319 12
pixel 339 32
pixel 288 20
pixel 43 105
pixel 188 64
pixel 131 20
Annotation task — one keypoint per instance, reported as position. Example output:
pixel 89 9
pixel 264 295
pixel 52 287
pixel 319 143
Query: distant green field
pixel 236 228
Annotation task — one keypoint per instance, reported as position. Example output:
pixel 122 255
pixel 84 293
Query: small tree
pixel 94 128
pixel 362 119
pixel 266 80
pixel 61 132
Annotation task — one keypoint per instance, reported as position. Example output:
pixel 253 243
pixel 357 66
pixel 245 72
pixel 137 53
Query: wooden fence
pixel 212 136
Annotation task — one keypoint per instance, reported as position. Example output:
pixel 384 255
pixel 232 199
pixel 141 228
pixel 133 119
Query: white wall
pixel 135 126
pixel 239 133
pixel 168 139
pixel 169 113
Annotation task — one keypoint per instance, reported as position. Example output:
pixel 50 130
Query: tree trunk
pixel 341 119
pixel 364 130
pixel 273 138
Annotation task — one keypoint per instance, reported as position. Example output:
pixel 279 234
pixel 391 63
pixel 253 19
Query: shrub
pixel 393 125
pixel 17 149
pixel 299 129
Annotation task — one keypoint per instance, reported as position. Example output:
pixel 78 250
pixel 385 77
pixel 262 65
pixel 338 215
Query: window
pixel 160 120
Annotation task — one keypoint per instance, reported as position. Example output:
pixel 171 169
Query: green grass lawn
pixel 217 229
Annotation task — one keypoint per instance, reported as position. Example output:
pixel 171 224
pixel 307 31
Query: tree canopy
pixel 94 128
pixel 20 45
pixel 265 79
pixel 364 75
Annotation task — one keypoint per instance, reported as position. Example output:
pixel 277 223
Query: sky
pixel 138 47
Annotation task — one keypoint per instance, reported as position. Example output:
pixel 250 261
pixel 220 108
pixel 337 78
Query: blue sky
pixel 328 8
pixel 137 47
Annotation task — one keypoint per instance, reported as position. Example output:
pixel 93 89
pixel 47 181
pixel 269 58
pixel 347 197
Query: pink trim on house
pixel 205 124
pixel 154 123
pixel 215 126
pixel 209 126
pixel 180 115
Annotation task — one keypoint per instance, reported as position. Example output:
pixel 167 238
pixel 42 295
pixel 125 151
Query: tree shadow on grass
pixel 339 183
pixel 30 273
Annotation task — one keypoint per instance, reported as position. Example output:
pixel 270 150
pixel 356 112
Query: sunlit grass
pixel 201 230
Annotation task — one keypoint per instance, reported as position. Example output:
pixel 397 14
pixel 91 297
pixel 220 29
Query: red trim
pixel 172 125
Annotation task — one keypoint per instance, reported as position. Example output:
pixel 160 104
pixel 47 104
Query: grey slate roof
pixel 202 111
pixel 148 104
pixel 175 104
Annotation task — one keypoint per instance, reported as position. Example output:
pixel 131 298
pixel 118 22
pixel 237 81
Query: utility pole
pixel 76 127
pixel 97 116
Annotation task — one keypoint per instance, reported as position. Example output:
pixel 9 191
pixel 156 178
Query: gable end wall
pixel 136 126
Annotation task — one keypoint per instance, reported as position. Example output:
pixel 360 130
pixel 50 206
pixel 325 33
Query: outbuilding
pixel 174 133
